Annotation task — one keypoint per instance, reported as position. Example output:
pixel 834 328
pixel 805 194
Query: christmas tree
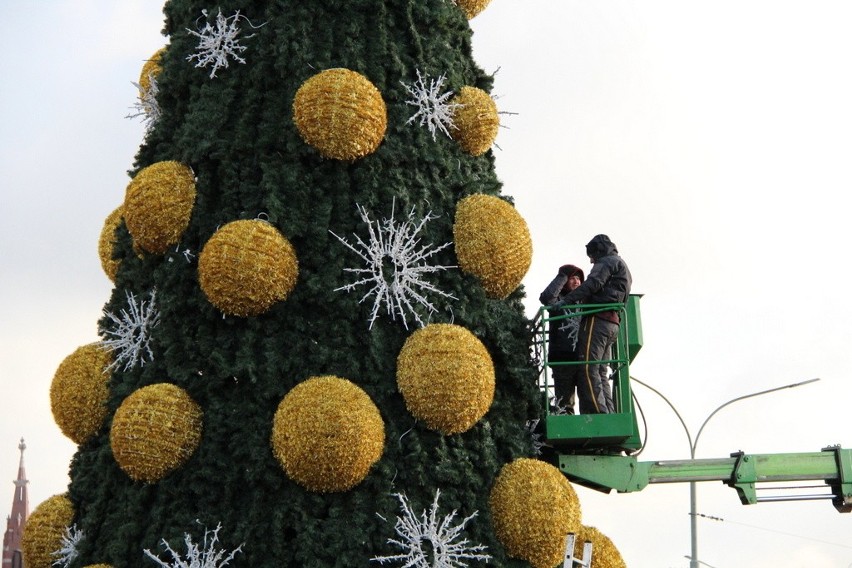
pixel 315 353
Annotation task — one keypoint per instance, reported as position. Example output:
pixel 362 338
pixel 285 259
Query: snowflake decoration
pixel 395 244
pixel 68 552
pixel 433 110
pixel 570 326
pixel 535 436
pixel 441 536
pixel 131 338
pixel 216 45
pixel 146 105
pixel 558 405
pixel 204 555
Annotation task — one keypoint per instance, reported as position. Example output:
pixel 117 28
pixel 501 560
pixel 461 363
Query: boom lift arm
pixel 747 473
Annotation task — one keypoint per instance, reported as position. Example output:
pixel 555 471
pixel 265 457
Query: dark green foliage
pixel 237 134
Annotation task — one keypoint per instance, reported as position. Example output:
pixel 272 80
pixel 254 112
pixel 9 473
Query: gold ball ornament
pixel 604 552
pixel 533 508
pixel 155 431
pixel 476 120
pixel 150 70
pixel 492 242
pixel 246 267
pixel 340 113
pixel 446 376
pixel 106 243
pixel 44 531
pixel 158 204
pixel 79 392
pixel 327 433
pixel 472 7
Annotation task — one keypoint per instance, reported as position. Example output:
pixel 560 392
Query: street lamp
pixel 693 514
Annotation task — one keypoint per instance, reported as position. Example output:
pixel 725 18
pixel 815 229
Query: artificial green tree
pixel 316 331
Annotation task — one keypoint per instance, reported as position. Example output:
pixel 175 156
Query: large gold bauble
pixel 476 120
pixel 604 552
pixel 44 531
pixel 106 243
pixel 246 267
pixel 327 434
pixel 340 113
pixel 79 392
pixel 492 242
pixel 533 508
pixel 155 431
pixel 158 204
pixel 446 376
pixel 149 72
pixel 472 7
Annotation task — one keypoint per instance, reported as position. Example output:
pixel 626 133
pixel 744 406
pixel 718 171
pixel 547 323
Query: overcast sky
pixel 710 140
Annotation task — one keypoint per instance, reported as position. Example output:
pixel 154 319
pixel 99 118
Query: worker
pixel 563 335
pixel 608 282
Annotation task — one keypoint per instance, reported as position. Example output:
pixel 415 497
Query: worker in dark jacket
pixel 563 336
pixel 608 282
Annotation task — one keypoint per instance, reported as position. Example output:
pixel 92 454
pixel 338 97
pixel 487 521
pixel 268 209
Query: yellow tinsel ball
pixel 340 113
pixel 106 243
pixel 533 508
pixel 44 531
pixel 476 120
pixel 492 243
pixel 327 433
pixel 150 70
pixel 154 431
pixel 158 204
pixel 472 7
pixel 446 376
pixel 246 267
pixel 604 552
pixel 79 392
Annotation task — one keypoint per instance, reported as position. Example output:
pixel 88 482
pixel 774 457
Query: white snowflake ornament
pixel 433 107
pixel 204 555
pixel 535 436
pixel 68 552
pixel 394 247
pixel 217 44
pixel 427 542
pixel 146 105
pixel 130 340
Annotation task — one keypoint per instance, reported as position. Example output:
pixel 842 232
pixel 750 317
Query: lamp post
pixel 693 514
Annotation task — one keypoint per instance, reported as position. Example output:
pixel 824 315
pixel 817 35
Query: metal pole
pixel 693 497
pixel 693 522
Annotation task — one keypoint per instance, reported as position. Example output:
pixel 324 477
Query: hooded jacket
pixel 608 282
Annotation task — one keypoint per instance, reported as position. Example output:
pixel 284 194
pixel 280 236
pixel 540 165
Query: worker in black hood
pixel 608 282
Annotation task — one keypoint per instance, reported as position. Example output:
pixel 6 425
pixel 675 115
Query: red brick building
pixel 15 522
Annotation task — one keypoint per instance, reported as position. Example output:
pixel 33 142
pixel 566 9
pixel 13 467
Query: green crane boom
pixel 747 473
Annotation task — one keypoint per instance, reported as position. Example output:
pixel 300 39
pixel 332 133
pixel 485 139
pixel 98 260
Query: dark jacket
pixel 563 333
pixel 609 280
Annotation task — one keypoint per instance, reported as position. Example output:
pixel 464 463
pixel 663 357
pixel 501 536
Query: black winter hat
pixel 570 270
